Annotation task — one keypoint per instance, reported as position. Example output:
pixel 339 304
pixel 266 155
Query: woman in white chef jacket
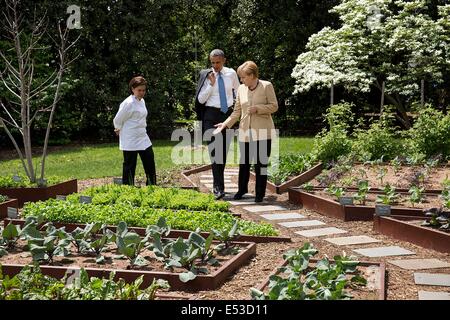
pixel 130 125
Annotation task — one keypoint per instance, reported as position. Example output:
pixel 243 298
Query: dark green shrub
pixel 430 134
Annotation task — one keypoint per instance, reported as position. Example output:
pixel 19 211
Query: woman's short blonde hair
pixel 249 68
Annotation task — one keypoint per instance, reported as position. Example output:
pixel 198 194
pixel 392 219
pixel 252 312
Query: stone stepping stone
pixel 231 173
pixel 430 295
pixel 432 279
pixel 417 264
pixel 282 216
pixel 241 202
pixel 231 185
pixel 304 223
pixel 344 241
pixel 212 181
pixel 231 169
pixel 263 208
pixel 320 232
pixel 383 251
pixel 207 176
pixel 231 190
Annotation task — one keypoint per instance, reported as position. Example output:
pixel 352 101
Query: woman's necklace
pixel 257 82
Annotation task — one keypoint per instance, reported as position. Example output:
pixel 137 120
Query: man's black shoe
pixel 239 195
pixel 219 195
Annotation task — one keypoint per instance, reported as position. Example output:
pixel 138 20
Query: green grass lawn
pixel 105 160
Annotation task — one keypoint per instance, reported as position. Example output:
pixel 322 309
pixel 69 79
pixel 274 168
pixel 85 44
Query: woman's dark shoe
pixel 257 199
pixel 238 196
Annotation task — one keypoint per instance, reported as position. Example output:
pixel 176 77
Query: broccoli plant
pixel 335 191
pixel 183 254
pixel 389 196
pixel 381 174
pixel 327 280
pixel 396 164
pixel 81 238
pixel 161 228
pixel 226 236
pixel 206 249
pixel 308 187
pixel 445 196
pixel 48 244
pixel 416 195
pixel 363 189
pixel 9 236
pixel 130 244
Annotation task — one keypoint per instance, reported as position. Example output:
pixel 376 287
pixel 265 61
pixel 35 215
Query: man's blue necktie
pixel 222 94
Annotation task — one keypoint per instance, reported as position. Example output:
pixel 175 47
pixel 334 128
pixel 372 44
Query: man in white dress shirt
pixel 214 99
pixel 130 125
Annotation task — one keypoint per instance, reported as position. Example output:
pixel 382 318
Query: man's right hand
pixel 117 131
pixel 212 78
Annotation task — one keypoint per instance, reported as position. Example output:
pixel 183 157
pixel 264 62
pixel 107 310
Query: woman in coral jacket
pixel 130 125
pixel 255 103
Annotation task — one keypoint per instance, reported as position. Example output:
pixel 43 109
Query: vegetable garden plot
pixel 416 199
pixel 201 282
pixel 68 212
pixel 152 197
pixel 195 263
pixel 31 283
pixel 433 178
pixel 173 233
pixel 411 229
pixel 321 202
pixel 300 277
pixel 40 193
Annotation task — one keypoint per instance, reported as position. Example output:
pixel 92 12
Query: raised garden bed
pixel 201 282
pixel 42 282
pixel 11 203
pixel 408 228
pixel 401 177
pixel 173 233
pixel 185 174
pixel 42 193
pixel 379 285
pixel 293 182
pixel 334 209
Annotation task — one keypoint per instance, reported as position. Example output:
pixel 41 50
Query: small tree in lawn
pixel 384 44
pixel 26 88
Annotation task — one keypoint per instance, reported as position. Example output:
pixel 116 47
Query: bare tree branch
pixel 9 89
pixel 19 152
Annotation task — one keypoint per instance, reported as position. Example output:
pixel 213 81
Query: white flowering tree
pixel 380 41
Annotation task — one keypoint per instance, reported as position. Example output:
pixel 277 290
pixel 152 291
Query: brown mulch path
pixel 399 282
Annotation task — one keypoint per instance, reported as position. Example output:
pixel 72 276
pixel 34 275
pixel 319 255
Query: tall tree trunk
pixel 422 92
pixel 332 94
pixel 396 101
